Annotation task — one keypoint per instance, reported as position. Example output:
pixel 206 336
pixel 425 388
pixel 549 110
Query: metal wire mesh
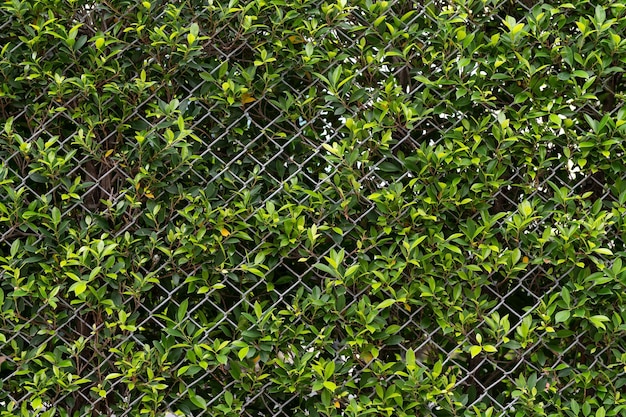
pixel 260 143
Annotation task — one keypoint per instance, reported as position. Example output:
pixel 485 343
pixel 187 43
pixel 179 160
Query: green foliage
pixel 317 208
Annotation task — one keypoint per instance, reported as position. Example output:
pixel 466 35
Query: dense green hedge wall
pixel 297 207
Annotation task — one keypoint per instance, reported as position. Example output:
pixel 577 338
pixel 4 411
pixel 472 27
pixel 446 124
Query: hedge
pixel 312 208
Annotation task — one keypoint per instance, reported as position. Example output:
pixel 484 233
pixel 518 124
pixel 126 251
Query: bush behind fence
pixel 312 208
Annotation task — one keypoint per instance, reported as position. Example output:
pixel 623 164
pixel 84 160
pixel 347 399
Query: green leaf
pixel 55 215
pixel 243 352
pixel 8 125
pixel 517 29
pixel 599 320
pixel 600 15
pixel 562 316
pixel 475 350
pixel 194 29
pixel 437 369
pixel 329 369
pixel 410 359
pixel 228 398
pixel 525 208
pixel 327 269
pixel 182 311
pixel 351 270
pixel 565 296
pixel 386 303
pixel 258 311
pixel 79 287
pixel 197 400
pixel 490 348
pixel 603 251
pixel 330 385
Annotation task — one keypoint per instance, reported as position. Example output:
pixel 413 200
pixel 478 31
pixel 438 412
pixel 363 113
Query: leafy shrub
pixel 312 208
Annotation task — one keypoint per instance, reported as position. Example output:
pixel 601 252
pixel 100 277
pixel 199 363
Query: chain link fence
pixel 242 194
